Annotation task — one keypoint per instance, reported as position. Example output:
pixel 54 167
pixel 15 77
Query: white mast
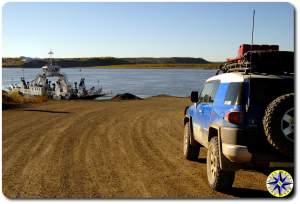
pixel 50 56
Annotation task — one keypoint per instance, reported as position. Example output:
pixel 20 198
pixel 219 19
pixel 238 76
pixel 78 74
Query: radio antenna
pixel 252 27
pixel 252 38
pixel 251 49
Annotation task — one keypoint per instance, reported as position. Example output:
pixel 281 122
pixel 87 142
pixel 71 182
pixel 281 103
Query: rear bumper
pixel 235 136
pixel 236 153
pixel 235 149
pixel 238 157
pixel 234 145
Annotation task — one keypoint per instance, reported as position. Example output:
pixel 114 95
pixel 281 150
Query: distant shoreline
pixel 212 66
pixel 162 66
pixel 111 62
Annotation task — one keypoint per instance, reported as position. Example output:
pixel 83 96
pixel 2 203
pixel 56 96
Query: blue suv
pixel 245 121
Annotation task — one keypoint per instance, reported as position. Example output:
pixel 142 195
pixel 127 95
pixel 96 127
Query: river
pixel 141 82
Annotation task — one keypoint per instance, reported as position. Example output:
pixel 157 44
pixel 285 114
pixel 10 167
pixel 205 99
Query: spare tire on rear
pixel 278 124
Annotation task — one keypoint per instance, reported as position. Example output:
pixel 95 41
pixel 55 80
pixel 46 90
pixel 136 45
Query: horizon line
pixel 104 57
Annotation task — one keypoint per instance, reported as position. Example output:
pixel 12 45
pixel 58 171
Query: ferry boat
pixel 54 84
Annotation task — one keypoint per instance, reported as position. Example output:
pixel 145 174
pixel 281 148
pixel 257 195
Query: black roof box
pixel 269 62
pixel 272 62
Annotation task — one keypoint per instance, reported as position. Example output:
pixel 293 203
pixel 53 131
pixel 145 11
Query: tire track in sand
pixel 129 149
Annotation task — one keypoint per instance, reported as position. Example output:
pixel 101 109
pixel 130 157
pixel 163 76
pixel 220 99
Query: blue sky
pixel 209 30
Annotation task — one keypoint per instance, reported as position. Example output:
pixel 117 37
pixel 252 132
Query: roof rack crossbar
pixel 240 69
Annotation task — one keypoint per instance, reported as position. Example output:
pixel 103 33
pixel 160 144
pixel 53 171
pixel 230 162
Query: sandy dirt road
pixel 90 149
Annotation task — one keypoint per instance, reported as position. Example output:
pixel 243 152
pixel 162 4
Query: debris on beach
pixel 125 96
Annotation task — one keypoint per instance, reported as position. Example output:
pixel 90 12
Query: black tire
pixel 218 179
pixel 190 151
pixel 278 124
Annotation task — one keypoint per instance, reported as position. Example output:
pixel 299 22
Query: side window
pixel 214 91
pixel 234 94
pixel 204 96
pixel 209 91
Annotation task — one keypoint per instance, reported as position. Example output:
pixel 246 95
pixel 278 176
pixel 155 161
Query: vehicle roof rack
pixel 267 62
pixel 234 67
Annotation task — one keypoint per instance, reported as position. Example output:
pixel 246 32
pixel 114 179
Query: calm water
pixel 142 82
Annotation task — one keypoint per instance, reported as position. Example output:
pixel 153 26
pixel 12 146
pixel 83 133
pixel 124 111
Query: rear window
pixel 263 91
pixel 234 94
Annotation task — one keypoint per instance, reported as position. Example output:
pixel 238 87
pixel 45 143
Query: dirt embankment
pixel 92 149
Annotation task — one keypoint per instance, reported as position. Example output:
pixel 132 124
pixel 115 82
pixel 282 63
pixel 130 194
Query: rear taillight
pixel 235 117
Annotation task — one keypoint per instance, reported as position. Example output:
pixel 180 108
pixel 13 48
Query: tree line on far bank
pixel 24 62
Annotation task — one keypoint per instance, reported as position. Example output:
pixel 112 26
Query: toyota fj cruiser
pixel 244 116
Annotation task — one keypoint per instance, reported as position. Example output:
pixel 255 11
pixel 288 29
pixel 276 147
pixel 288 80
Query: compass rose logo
pixel 280 183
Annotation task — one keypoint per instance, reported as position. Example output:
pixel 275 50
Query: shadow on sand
pixel 249 193
pixel 201 160
pixel 9 106
pixel 45 111
pixel 243 192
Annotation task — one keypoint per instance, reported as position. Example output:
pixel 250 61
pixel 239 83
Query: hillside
pixel 100 61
